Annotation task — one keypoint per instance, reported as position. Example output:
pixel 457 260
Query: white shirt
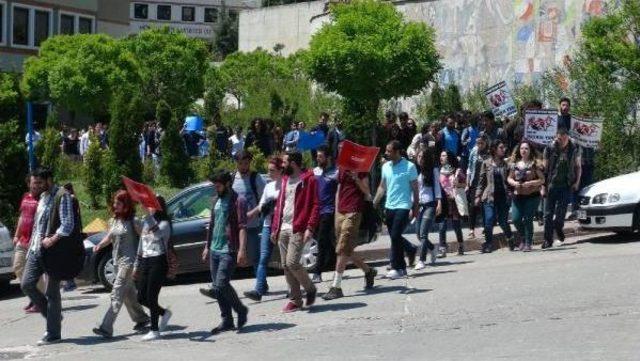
pixel 270 194
pixel 237 144
pixel 37 235
pixel 289 203
pixel 84 143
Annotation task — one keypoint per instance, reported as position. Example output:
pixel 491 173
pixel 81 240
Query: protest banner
pixel 356 157
pixel 541 126
pixel 141 193
pixel 586 132
pixel 310 140
pixel 193 123
pixel 501 101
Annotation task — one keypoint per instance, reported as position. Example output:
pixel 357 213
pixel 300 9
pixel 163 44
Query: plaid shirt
pixel 42 218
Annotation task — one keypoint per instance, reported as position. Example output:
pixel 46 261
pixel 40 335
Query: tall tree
pixel 369 52
pixel 172 67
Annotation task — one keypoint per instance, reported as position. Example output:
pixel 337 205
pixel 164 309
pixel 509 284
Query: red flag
pixel 356 157
pixel 141 193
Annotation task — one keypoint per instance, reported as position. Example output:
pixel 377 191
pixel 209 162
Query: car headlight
pixel 615 197
pixel 600 198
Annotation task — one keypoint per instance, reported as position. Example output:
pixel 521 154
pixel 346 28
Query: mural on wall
pixel 493 40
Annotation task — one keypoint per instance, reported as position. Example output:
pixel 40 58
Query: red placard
pixel 141 193
pixel 356 157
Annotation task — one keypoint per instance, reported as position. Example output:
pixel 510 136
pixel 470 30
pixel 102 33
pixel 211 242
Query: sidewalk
pixel 379 249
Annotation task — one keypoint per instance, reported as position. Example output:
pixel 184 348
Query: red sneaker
pixel 290 307
pixel 33 309
pixel 28 306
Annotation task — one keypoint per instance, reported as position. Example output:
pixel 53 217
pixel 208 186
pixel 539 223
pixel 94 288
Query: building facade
pixel 195 18
pixel 25 24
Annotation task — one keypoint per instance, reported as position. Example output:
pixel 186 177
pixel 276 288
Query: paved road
pixel 576 302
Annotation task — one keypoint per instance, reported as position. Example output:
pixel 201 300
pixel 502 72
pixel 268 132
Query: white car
pixel 6 257
pixel 612 204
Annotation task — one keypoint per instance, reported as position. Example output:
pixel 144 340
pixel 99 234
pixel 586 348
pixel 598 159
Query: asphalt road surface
pixel 580 301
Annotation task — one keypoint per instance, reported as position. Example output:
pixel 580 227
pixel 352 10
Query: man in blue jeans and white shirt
pixel 400 183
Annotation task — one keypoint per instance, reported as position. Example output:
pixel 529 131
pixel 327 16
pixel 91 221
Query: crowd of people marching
pixel 461 168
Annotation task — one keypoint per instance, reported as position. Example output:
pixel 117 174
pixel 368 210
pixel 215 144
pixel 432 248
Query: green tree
pixel 48 149
pixel 80 73
pixel 226 40
pixel 175 169
pixel 122 158
pixel 214 93
pixel 452 99
pixel 369 52
pixel 11 102
pixel 92 170
pixel 13 169
pixel 172 67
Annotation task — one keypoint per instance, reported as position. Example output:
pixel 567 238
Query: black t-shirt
pixel 71 146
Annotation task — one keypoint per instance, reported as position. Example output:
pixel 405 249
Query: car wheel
pixel 107 271
pixel 4 286
pixel 310 254
pixel 636 220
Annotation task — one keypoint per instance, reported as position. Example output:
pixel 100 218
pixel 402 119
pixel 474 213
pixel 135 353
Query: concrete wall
pixel 479 40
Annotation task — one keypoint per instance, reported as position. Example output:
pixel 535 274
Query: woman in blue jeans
pixel 430 203
pixel 526 178
pixel 492 192
pixel 265 206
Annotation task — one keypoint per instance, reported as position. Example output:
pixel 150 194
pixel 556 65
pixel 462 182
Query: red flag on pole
pixel 141 193
pixel 356 157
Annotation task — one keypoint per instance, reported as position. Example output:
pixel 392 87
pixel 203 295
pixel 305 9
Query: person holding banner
pixel 493 192
pixel 526 178
pixel 400 183
pixel 563 166
pixel 123 234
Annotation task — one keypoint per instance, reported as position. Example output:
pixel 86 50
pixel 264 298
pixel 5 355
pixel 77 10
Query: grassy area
pixel 89 214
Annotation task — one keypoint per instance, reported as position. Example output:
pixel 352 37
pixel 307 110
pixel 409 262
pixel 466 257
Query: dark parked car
pixel 190 210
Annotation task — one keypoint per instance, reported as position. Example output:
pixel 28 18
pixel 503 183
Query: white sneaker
pixel 151 336
pixel 420 265
pixel 164 320
pixel 394 274
pixel 433 255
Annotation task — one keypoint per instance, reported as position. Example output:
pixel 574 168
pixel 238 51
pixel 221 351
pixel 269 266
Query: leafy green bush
pixel 174 164
pixel 13 170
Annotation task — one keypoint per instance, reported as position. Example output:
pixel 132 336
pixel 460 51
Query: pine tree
pixel 92 170
pixel 174 164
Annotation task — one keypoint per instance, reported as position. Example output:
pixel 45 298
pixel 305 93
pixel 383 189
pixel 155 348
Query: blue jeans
pixel 50 303
pixel 457 229
pixel 221 266
pixel 266 248
pixel 396 220
pixel 555 209
pixel 424 222
pixel 253 247
pixel 496 211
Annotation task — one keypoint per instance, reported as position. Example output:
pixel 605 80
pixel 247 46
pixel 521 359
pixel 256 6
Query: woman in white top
pixel 430 195
pixel 265 207
pixel 151 266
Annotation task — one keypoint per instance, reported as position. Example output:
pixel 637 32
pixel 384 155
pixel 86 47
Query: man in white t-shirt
pixel 236 141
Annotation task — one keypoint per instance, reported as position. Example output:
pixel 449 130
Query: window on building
pixel 67 24
pixel 233 15
pixel 188 13
pixel 20 26
pixel 42 27
pixel 210 15
pixel 85 25
pixel 140 11
pixel 164 12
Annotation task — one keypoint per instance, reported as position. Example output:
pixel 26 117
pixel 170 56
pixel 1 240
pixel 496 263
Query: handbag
pixel 461 201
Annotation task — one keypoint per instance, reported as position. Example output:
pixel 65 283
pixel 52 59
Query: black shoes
pixel 311 297
pixel 140 326
pixel 242 318
pixel 460 249
pixel 208 292
pixel 100 332
pixel 334 293
pixel 316 278
pixel 485 249
pixel 253 295
pixel 224 327
pixel 48 340
pixel 546 245
pixel 512 244
pixel 369 278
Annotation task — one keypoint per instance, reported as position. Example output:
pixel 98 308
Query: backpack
pixel 65 259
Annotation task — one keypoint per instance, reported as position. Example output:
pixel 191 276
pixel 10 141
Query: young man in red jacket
pixel 295 217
